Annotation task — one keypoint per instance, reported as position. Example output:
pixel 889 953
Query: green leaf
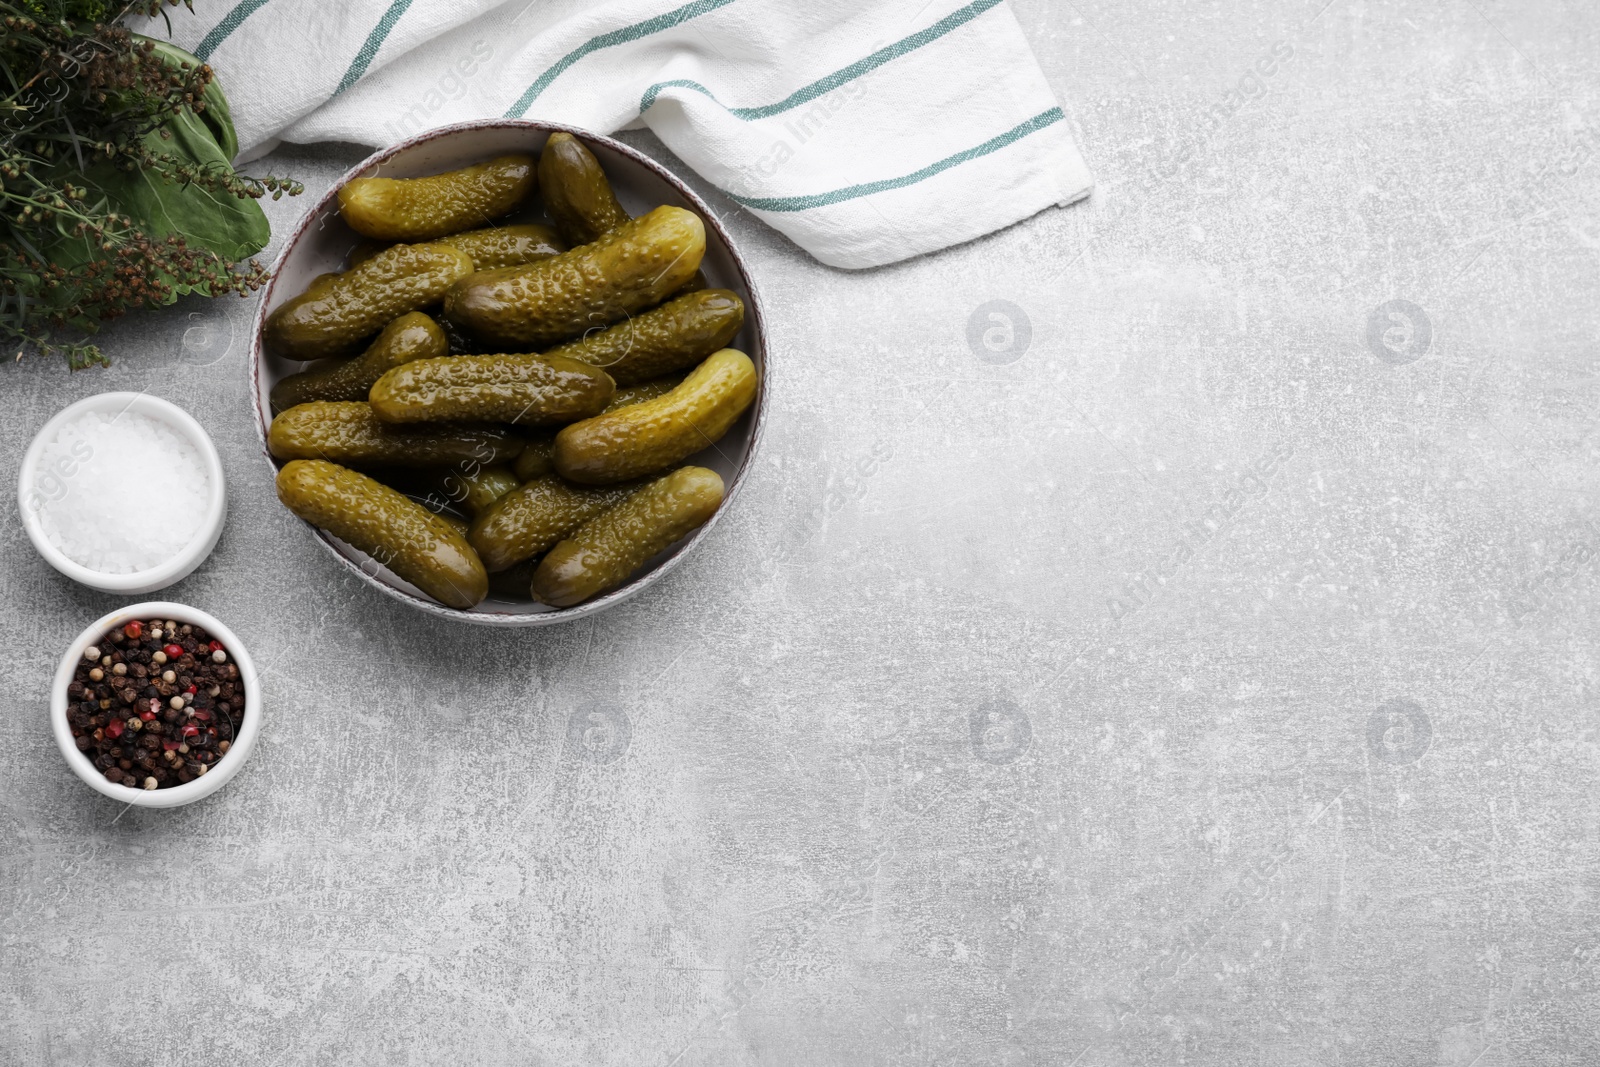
pixel 218 116
pixel 233 228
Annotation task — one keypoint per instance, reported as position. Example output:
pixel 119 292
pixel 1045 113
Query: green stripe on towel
pixel 675 17
pixel 230 22
pixel 851 192
pixel 844 76
pixel 370 47
pixel 374 41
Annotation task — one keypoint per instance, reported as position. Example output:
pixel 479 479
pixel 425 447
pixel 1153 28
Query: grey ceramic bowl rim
pixel 753 316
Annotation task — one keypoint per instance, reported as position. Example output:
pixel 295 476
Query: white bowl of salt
pixel 122 492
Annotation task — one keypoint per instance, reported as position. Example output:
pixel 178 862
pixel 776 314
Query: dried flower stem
pixel 79 94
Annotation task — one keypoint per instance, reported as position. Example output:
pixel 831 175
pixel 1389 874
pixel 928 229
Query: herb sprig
pixel 116 189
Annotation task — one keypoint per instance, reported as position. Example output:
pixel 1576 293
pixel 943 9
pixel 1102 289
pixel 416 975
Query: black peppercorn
pixel 107 716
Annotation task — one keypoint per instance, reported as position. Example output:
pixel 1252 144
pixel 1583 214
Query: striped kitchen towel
pixel 867 132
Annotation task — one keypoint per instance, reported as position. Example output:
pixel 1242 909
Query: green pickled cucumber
pixel 633 394
pixel 334 316
pixel 411 336
pixel 650 436
pixel 420 209
pixel 580 199
pixel 455 522
pixel 351 433
pixel 672 337
pixel 576 192
pixel 538 457
pixel 419 546
pixel 507 246
pixel 632 267
pixel 522 389
pixel 473 488
pixel 605 551
pixel 464 488
pixel 528 520
pixel 494 246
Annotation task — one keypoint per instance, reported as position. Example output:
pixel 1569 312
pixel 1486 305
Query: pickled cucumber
pixel 455 522
pixel 420 209
pixel 463 488
pixel 528 520
pixel 473 489
pixel 527 390
pixel 633 394
pixel 538 457
pixel 411 336
pixel 351 433
pixel 605 551
pixel 672 337
pixel 410 540
pixel 335 316
pixel 630 268
pixel 649 436
pixel 576 192
pixel 580 199
pixel 494 246
pixel 507 246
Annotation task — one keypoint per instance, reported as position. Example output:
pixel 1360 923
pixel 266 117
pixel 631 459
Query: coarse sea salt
pixel 120 492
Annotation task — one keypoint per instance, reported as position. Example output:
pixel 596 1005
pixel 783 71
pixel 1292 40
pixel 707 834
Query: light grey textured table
pixel 1008 718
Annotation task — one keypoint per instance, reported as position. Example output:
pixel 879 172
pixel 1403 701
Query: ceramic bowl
pixel 36 488
pixel 173 796
pixel 322 242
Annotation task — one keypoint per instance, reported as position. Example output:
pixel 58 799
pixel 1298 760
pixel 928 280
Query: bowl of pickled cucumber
pixel 509 372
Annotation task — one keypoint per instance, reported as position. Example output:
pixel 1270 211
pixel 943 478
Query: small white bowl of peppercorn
pixel 156 704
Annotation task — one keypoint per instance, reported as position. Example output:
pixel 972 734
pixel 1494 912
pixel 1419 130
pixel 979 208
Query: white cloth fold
pixel 867 133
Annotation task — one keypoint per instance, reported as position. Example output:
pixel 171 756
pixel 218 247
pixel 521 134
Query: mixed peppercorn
pixel 155 703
